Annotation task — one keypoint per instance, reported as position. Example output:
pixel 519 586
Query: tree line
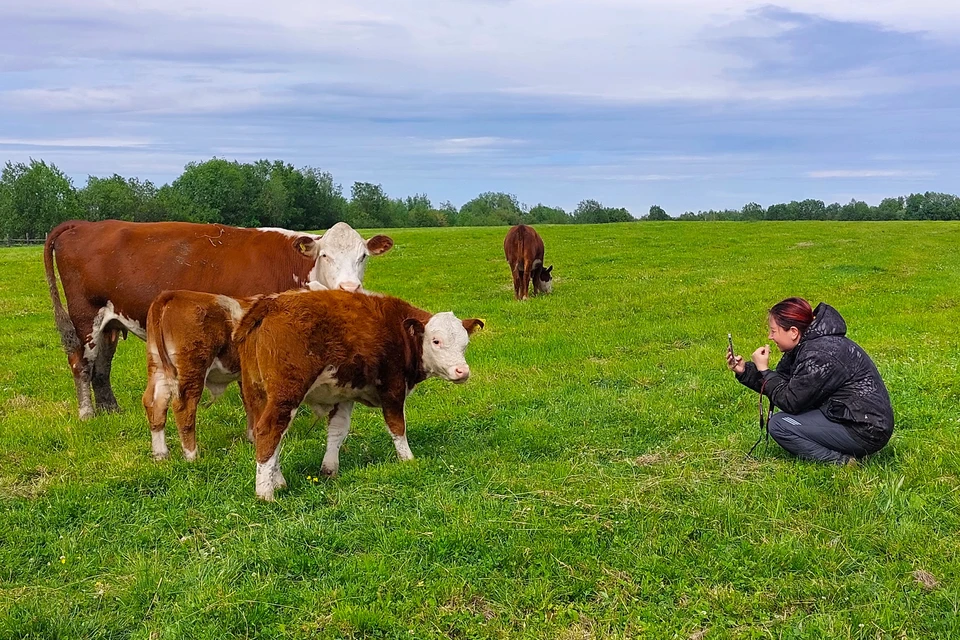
pixel 36 196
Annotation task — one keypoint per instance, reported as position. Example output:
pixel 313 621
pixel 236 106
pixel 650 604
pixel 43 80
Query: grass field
pixel 588 482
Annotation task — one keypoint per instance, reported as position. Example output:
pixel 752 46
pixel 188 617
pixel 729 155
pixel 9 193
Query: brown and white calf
pixel 112 270
pixel 331 349
pixel 523 247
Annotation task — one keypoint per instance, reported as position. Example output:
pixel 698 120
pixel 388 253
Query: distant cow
pixel 330 349
pixel 111 271
pixel 524 250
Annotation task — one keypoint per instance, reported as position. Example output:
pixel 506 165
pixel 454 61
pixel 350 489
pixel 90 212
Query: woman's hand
pixel 761 358
pixel 735 363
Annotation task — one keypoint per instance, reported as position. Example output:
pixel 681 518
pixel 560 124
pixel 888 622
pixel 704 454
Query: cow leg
pixel 82 370
pixel 102 391
pixel 155 401
pixel 185 414
pixel 337 432
pixel 525 284
pixel 253 401
pixel 518 291
pixel 535 278
pixel 397 426
pixel 250 420
pixel 270 427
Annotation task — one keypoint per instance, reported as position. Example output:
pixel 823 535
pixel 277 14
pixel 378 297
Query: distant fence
pixel 18 242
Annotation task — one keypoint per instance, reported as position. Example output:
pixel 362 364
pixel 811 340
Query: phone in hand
pixel 730 344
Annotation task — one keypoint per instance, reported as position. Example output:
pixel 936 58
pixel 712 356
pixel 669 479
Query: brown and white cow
pixel 523 247
pixel 330 349
pixel 111 271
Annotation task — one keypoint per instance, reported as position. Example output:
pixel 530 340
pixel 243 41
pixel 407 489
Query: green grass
pixel 588 482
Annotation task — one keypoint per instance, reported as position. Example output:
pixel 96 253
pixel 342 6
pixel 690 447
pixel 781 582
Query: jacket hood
pixel 827 321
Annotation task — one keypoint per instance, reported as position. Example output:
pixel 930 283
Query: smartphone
pixel 730 344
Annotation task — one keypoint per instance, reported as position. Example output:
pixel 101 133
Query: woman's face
pixel 785 339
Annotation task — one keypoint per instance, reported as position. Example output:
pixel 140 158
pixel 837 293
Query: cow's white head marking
pixel 445 340
pixel 341 256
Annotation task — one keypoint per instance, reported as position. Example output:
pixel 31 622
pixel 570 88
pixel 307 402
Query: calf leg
pixel 269 430
pixel 337 432
pixel 155 401
pixel 525 283
pixel 103 392
pixel 250 420
pixel 397 426
pixel 185 414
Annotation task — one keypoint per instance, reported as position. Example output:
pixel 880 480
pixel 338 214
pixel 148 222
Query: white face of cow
pixel 445 340
pixel 342 254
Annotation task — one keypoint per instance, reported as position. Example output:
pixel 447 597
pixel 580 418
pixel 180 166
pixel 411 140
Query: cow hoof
pixel 162 455
pixel 266 496
pixel 327 472
pixel 190 456
pixel 86 414
pixel 279 482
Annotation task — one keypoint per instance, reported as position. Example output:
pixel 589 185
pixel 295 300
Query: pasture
pixel 589 481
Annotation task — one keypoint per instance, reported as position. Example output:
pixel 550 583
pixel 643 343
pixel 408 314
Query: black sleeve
pixel 750 377
pixel 813 380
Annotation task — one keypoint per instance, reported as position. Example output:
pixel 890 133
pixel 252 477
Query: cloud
pixel 110 143
pixel 870 173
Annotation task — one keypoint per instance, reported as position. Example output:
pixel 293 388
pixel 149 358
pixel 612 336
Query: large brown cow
pixel 524 250
pixel 111 271
pixel 330 349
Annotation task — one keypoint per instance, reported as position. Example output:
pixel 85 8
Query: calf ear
pixel 305 245
pixel 379 244
pixel 472 324
pixel 414 327
pixel 549 269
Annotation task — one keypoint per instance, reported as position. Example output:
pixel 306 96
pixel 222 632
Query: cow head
pixel 341 256
pixel 444 341
pixel 544 284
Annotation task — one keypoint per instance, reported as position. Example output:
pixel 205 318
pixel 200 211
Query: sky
pixel 687 104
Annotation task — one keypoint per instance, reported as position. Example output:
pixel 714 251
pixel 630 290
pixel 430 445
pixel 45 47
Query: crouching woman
pixel 834 406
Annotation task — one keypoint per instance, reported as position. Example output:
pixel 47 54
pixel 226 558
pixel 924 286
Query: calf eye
pixel 436 341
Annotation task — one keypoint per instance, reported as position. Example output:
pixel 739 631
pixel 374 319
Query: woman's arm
pixel 814 378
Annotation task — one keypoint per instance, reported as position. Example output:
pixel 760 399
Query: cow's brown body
pixel 111 271
pixel 189 347
pixel 329 349
pixel 523 248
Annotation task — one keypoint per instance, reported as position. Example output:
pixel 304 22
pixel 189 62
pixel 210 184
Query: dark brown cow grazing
pixel 524 250
pixel 111 271
pixel 330 349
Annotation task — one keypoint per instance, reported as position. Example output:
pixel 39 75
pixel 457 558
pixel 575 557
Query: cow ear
pixel 379 244
pixel 305 245
pixel 472 324
pixel 550 268
pixel 414 327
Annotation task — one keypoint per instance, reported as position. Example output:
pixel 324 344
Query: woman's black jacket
pixel 830 372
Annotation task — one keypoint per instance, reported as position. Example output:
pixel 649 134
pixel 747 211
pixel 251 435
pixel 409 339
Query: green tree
pixel 490 208
pixel 34 198
pixel 542 214
pixel 229 190
pixel 369 206
pixel 657 213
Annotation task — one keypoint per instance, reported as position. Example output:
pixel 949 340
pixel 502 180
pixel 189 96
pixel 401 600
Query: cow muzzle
pixel 351 287
pixel 460 373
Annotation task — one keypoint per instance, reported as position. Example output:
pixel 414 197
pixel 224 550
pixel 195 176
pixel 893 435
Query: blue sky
pixel 689 104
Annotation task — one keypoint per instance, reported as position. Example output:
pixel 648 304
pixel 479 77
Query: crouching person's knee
pixel 780 426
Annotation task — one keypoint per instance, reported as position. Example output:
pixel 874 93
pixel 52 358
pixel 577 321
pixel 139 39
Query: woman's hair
pixel 792 312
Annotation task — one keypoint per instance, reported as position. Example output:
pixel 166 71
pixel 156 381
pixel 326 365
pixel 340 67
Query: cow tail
pixel 159 306
pixel 251 320
pixel 68 333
